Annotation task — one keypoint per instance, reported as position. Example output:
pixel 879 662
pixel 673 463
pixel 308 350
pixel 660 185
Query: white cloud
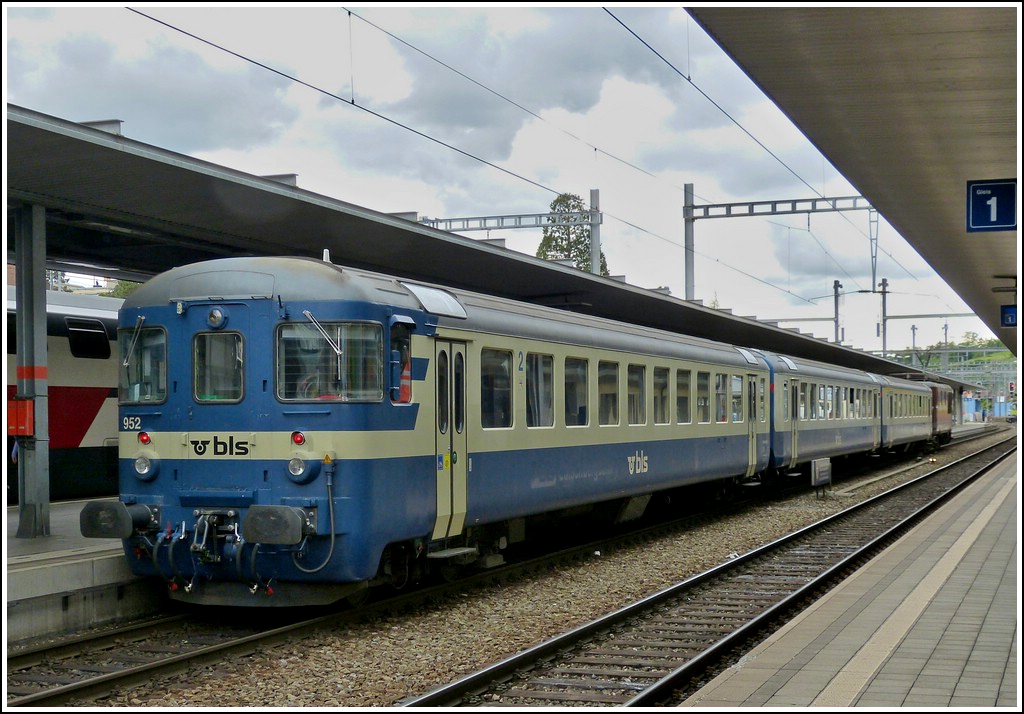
pixel 492 111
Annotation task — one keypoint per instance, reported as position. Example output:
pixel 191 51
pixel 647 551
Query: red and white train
pixel 82 394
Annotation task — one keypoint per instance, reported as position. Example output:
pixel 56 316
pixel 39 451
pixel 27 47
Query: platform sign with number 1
pixel 992 205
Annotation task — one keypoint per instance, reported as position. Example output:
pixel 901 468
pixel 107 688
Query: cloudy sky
pixel 495 110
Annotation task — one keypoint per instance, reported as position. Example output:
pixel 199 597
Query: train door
pixel 451 439
pixel 225 357
pixel 751 424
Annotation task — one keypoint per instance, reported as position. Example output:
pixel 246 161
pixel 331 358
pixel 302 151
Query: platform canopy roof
pixel 910 104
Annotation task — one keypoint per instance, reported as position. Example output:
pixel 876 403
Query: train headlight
pixel 145 468
pixel 302 470
pixel 217 318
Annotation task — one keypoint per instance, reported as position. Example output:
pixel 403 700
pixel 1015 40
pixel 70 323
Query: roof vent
pixel 111 126
pixel 286 179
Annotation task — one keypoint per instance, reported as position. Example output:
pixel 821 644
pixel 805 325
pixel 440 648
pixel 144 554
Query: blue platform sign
pixel 1007 315
pixel 992 205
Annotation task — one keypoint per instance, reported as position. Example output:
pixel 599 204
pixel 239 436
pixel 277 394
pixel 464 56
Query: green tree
pixel 121 289
pixel 571 241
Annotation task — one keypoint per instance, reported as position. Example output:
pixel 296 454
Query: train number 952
pixel 131 423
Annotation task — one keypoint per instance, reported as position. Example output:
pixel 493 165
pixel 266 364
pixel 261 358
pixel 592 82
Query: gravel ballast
pixel 381 662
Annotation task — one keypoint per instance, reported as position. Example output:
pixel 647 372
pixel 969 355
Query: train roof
pixel 307 279
pixel 914 385
pixel 803 367
pixel 72 304
pixel 300 278
pixel 288 278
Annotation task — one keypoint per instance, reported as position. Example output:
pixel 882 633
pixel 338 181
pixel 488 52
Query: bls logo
pixel 220 447
pixel 637 463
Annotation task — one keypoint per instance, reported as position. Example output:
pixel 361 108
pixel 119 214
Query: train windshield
pixel 334 361
pixel 142 374
pixel 218 361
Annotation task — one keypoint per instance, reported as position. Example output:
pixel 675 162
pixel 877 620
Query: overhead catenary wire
pixel 352 102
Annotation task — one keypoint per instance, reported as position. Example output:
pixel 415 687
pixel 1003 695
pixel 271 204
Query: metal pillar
pixel 884 284
pixel 32 377
pixel 688 236
pixel 836 286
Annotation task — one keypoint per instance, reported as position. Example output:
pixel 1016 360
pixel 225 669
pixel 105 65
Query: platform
pixel 931 622
pixel 65 582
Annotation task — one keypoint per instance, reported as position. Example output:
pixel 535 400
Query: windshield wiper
pixel 320 328
pixel 135 339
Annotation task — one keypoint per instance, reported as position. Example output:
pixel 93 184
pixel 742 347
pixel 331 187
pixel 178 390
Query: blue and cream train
pixel 292 431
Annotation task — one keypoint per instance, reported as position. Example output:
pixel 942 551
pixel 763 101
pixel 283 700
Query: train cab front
pixel 228 415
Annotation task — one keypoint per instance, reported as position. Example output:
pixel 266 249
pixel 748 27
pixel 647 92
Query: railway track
pixel 89 667
pixel 648 653
pixel 93 664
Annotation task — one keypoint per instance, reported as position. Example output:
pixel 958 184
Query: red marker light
pixel 144 438
pixel 298 438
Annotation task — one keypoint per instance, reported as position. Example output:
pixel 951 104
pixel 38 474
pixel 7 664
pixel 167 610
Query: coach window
pixel 804 412
pixel 459 389
pixel 540 390
pixel 721 397
pixel 401 349
pixel 785 400
pixel 661 395
pixel 142 371
pixel 576 412
pixel 761 396
pixel 87 338
pixel 636 375
pixel 683 396
pixel 495 388
pixel 737 398
pixel 218 361
pixel 608 393
pixel 704 397
pixel 443 410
